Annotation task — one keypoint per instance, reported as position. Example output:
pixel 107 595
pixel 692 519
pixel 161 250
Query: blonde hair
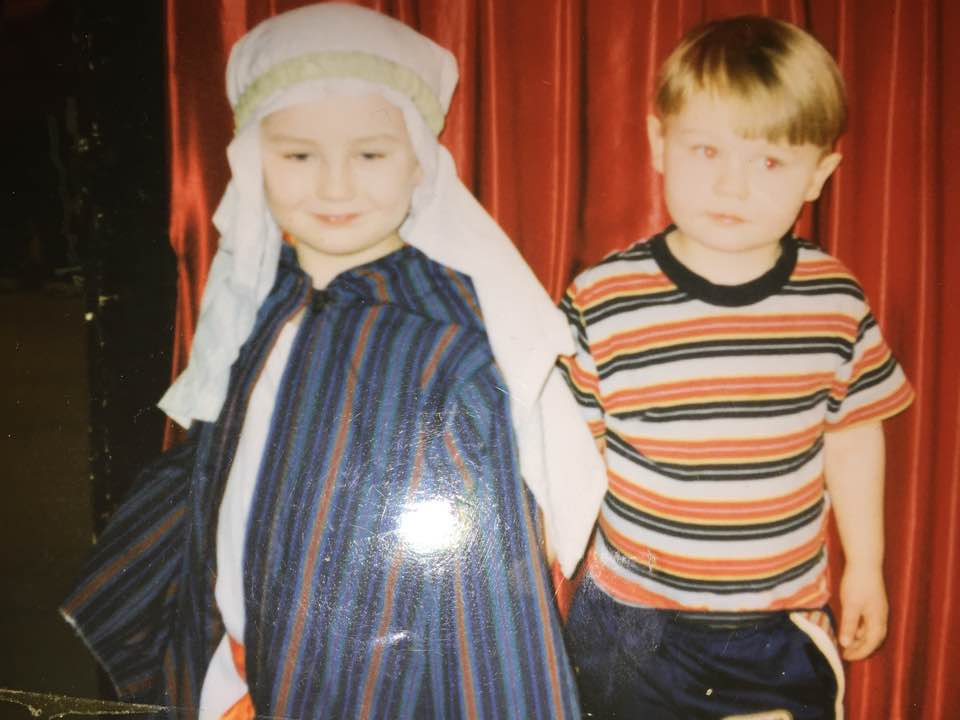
pixel 783 83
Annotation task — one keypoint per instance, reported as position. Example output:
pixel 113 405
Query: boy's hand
pixel 863 612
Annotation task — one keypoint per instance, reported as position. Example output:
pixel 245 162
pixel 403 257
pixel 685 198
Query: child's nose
pixel 732 180
pixel 334 181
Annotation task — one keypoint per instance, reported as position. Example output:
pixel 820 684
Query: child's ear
pixel 825 168
pixel 655 137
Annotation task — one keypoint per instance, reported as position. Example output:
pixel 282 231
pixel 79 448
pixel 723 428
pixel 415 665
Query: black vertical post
pixel 116 132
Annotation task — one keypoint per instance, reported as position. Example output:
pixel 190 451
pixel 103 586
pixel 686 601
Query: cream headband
pixel 339 65
pixel 330 48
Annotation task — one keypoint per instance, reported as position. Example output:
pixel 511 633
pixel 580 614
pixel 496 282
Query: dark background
pixel 87 293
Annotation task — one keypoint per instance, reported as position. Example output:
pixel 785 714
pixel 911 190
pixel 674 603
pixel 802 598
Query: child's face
pixel 339 174
pixel 728 194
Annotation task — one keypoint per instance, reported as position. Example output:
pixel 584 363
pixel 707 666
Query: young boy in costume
pixel 735 380
pixel 346 532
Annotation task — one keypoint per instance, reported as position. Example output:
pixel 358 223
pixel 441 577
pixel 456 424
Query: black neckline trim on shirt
pixel 748 293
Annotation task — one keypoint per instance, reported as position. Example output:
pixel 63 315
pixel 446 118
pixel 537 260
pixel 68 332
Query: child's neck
pixel 722 267
pixel 323 267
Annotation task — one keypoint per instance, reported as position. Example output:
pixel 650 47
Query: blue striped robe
pixel 392 417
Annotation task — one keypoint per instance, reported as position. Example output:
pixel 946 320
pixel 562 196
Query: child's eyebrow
pixel 695 130
pixel 281 137
pixel 381 137
pixel 686 132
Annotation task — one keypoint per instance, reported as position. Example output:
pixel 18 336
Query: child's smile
pixel 336 220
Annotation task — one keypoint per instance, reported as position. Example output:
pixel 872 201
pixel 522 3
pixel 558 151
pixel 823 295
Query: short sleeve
pixel 870 386
pixel 580 371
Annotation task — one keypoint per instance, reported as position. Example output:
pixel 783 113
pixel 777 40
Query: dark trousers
pixel 663 665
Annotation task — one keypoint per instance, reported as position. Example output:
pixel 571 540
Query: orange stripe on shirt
pixel 585 381
pixel 718 389
pixel 877 411
pixel 441 348
pixel 721 450
pixel 733 511
pixel 713 568
pixel 822 269
pixel 874 357
pixel 732 327
pixel 624 285
pixel 535 559
pixel 124 561
pixel 373 670
pixel 466 666
pixel 812 595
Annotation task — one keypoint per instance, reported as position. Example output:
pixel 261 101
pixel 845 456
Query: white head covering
pixel 332 49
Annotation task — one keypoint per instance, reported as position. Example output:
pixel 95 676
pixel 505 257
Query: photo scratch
pixel 51 707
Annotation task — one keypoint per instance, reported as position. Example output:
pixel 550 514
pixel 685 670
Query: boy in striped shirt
pixel 735 381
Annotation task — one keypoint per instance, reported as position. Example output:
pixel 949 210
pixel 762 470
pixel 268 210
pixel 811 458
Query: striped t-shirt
pixel 710 405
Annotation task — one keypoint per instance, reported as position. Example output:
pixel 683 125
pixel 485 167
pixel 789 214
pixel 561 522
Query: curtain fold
pixel 883 223
pixel 548 127
pixel 936 688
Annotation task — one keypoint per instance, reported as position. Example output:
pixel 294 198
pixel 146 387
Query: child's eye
pixel 707 151
pixel 772 163
pixel 372 155
pixel 297 156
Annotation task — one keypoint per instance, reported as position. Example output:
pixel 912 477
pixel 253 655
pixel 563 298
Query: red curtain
pixel 547 127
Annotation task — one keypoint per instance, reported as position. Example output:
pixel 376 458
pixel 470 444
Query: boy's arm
pixel 579 373
pixel 579 370
pixel 854 475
